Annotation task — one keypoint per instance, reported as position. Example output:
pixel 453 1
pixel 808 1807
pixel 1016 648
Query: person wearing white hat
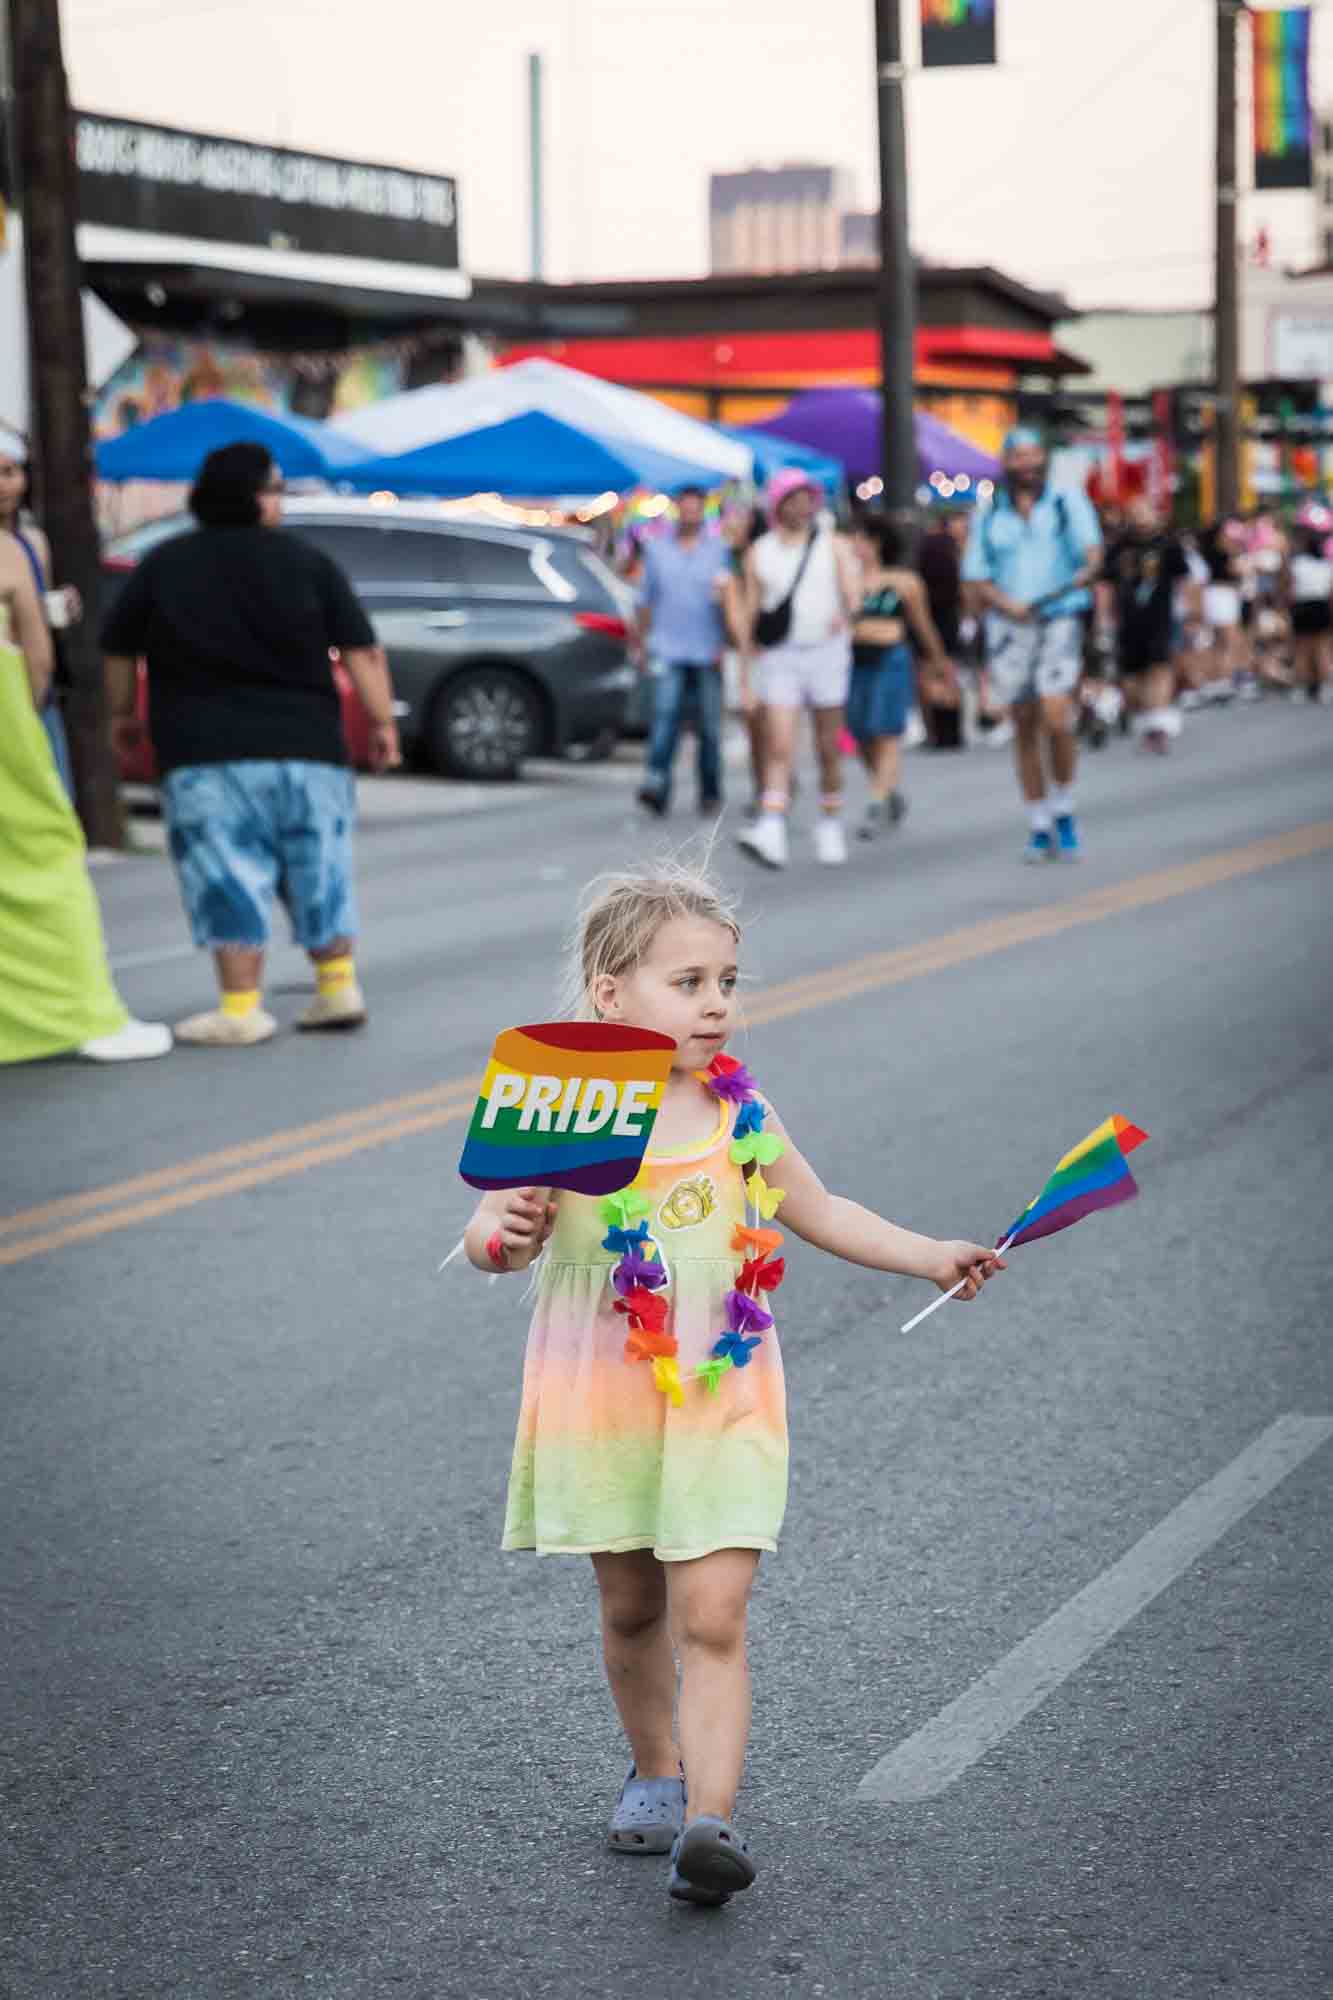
pixel 802 590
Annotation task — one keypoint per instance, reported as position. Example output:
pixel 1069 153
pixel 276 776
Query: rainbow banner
pixel 568 1104
pixel 957 31
pixel 1283 132
pixel 1092 1176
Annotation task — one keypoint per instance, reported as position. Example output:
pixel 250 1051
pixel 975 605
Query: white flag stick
pixel 945 1297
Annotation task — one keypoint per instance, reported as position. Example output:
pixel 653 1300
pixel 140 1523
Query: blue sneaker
pixel 1066 827
pixel 1040 847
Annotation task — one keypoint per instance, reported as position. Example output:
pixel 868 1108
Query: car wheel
pixel 483 723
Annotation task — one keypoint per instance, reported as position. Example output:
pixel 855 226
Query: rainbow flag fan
pixel 1093 1175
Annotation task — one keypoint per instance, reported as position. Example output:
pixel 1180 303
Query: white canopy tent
pixel 601 409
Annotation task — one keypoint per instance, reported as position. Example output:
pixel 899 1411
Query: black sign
pixel 174 183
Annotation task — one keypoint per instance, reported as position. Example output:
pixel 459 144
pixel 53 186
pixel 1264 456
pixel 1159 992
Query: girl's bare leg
pixel 709 1600
pixel 636 1645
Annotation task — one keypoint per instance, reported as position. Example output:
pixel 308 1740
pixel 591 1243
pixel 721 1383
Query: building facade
pixel 736 349
pixel 769 219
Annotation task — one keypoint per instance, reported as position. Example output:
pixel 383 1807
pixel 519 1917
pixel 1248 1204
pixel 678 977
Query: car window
pixel 585 573
pixel 496 565
pixel 371 555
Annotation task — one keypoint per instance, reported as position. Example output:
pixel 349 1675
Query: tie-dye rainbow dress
pixel 603 1459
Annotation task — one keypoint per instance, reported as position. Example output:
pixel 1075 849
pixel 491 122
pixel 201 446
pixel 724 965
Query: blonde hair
pixel 620 915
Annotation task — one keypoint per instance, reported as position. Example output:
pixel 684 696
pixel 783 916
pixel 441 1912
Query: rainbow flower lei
pixel 641 1279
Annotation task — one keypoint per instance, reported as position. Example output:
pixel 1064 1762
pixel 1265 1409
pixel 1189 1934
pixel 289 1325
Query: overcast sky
pixel 1083 162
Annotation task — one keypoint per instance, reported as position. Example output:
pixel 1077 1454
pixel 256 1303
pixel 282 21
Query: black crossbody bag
pixel 772 627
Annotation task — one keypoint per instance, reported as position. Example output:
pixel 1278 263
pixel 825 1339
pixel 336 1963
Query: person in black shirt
pixel 236 622
pixel 1143 569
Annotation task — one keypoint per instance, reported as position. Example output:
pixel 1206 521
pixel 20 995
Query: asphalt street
pixel 280 1717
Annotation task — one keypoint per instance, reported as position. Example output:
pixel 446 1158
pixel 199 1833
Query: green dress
pixel 603 1460
pixel 55 986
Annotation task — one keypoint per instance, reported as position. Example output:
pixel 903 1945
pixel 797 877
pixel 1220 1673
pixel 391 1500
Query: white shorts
pixel 1026 661
pixel 1221 605
pixel 805 676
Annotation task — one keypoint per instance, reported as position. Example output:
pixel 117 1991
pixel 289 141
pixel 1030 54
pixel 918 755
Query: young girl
pixel 652 1435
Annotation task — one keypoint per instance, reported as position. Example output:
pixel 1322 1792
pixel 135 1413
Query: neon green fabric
pixel 55 985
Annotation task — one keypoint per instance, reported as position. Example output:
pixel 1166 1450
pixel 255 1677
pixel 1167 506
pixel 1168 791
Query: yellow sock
pixel 334 974
pixel 238 1005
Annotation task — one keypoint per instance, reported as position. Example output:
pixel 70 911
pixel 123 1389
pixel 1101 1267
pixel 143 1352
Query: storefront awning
pixel 359 286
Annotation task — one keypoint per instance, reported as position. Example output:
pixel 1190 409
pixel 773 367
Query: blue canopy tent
pixel 175 445
pixel 776 454
pixel 533 456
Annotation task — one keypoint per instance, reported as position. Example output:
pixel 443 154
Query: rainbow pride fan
pixel 1091 1175
pixel 567 1104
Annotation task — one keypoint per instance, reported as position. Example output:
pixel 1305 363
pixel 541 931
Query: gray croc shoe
pixel 649 1816
pixel 710 1863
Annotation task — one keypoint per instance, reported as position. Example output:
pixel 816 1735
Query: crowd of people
pixel 1035 621
pixel 1031 622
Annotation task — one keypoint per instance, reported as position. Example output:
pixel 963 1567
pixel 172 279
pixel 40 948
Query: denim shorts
pixel 242 833
pixel 880 696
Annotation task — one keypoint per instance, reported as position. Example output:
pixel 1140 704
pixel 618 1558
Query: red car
pixel 139 766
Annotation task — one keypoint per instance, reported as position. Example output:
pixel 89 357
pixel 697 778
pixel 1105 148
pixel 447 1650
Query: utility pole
pixel 897 278
pixel 1226 303
pixel 536 172
pixel 60 436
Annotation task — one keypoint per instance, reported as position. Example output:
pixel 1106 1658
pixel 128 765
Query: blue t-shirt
pixel 1031 558
pixel 680 588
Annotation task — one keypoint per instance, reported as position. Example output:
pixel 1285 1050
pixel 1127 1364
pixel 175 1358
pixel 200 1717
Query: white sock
pixel 1060 798
pixel 1039 816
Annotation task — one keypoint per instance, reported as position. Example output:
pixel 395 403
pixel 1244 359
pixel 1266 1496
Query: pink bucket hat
pixel 783 484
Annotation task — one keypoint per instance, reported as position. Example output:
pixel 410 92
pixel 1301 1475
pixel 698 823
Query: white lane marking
pixel 928 1762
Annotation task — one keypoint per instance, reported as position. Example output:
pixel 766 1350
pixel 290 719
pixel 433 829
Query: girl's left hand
pixel 970 1261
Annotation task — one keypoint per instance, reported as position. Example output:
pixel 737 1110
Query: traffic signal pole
pixel 897 277
pixel 61 453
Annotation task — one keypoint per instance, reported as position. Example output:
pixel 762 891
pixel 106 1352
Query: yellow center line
pixel 231 1156
pixel 257 1162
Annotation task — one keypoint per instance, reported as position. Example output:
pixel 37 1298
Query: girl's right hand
pixel 967 1263
pixel 527 1217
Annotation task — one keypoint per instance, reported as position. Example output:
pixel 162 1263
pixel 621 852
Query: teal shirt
pixel 1031 558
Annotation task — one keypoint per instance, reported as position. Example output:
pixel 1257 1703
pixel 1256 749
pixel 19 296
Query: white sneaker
pixel 1000 737
pixel 766 840
pixel 344 1009
pixel 137 1041
pixel 216 1030
pixel 830 841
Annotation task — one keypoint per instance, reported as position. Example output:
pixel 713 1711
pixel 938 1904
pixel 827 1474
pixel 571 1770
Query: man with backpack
pixel 1031 558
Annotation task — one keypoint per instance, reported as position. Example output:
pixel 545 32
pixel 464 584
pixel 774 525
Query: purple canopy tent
pixel 845 424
